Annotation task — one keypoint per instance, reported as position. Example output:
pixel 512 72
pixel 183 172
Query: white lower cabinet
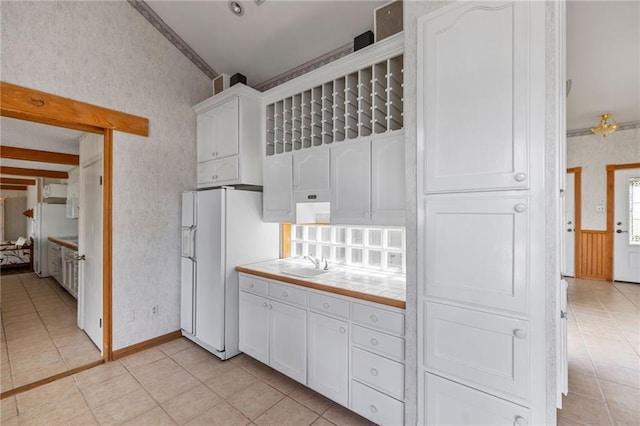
pixel 449 403
pixel 348 350
pixel 329 357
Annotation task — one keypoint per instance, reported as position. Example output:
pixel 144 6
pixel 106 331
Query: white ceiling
pixel 268 39
pixel 603 61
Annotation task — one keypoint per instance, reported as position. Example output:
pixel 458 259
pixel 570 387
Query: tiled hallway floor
pixel 604 354
pixel 176 383
pixel 38 333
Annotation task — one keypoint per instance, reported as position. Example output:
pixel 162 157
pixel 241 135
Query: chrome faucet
pixel 314 260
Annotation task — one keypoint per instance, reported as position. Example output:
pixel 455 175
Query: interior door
pixel 91 267
pixel 626 236
pixel 569 261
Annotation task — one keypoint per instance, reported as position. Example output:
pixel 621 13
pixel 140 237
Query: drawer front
pixel 379 372
pixel 288 294
pixel 376 406
pixel 329 305
pixel 381 319
pixel 502 364
pixel 254 285
pixel 449 403
pixel 218 171
pixel 374 341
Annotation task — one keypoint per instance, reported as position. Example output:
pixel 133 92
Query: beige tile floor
pixel 604 354
pixel 176 383
pixel 38 333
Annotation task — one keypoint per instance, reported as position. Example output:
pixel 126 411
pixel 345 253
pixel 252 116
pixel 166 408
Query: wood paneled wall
pixel 594 258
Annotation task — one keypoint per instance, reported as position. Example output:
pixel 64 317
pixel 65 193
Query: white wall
pixel 15 224
pixel 593 153
pixel 106 54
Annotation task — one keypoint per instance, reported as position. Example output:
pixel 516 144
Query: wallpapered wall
pixel 105 53
pixel 593 153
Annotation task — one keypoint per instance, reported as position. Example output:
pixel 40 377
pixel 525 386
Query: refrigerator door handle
pixel 193 244
pixel 185 249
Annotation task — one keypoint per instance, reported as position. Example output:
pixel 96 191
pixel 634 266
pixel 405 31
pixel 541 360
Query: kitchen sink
pixel 304 272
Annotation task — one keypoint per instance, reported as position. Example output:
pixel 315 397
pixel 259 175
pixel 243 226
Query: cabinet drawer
pixel 378 318
pixel 254 285
pixel 374 341
pixel 503 363
pixel 218 171
pixel 288 294
pixel 449 403
pixel 376 406
pixel 379 372
pixel 329 305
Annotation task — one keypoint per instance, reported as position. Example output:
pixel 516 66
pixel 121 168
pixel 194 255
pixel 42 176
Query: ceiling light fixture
pixel 259 2
pixel 605 128
pixel 236 8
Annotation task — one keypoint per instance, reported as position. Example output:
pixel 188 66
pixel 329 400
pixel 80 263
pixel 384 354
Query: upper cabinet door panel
pixel 277 198
pixel 388 180
pixel 226 128
pixel 475 100
pixel 311 170
pixel 476 251
pixel 206 131
pixel 351 183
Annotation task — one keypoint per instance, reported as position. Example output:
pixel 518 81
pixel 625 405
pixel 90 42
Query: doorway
pixel 624 216
pixel 572 222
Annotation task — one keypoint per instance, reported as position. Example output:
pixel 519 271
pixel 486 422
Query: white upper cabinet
pixel 350 181
pixel 490 151
pixel 218 131
pixel 388 180
pixel 278 196
pixel 311 175
pixel 229 141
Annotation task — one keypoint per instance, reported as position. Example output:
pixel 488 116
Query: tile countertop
pixel 375 286
pixel 68 242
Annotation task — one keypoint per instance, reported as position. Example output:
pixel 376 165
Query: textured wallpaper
pixel 105 53
pixel 593 153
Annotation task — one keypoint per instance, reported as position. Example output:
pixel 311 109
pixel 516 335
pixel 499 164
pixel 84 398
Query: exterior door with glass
pixel 626 229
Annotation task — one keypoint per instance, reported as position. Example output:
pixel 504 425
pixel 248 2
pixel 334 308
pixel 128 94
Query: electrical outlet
pixel 600 208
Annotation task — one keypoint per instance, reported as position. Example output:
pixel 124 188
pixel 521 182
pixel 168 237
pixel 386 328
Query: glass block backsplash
pixel 379 248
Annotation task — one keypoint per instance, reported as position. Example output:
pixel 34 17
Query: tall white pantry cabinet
pixel 481 214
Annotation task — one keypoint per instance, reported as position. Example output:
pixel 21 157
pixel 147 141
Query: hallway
pixel 604 354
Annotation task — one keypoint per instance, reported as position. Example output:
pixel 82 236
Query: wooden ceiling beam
pixel 13 181
pixel 28 104
pixel 13 187
pixel 33 172
pixel 15 153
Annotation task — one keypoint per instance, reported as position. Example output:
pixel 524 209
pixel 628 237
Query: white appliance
pixel 55 193
pixel 48 220
pixel 221 229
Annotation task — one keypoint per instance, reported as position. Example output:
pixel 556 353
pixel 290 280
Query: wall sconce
pixel 605 128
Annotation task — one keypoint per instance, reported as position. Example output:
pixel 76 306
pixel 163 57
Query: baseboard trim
pixel 29 386
pixel 140 346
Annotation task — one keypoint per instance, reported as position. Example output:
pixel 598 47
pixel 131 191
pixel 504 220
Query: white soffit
pixel 26 134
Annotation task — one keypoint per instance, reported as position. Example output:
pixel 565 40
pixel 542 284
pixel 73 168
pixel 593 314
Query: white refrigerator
pixel 221 229
pixel 49 220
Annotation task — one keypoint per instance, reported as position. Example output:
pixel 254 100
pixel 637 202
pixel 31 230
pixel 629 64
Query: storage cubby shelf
pixel 362 103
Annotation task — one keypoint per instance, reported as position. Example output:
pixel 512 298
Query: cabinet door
pixel 205 136
pixel 218 172
pixel 351 183
pixel 254 326
pixel 475 62
pixel 277 193
pixel 288 340
pixel 311 170
pixel 387 180
pixel 448 403
pixel 226 128
pixel 329 357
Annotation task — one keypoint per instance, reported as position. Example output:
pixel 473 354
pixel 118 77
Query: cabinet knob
pixel 373 372
pixel 343 330
pixel 374 318
pixel 252 285
pixel 373 409
pixel 326 306
pixel 374 341
pixel 520 177
pixel 285 294
pixel 520 421
pixel 270 307
pixel 264 304
pixel 520 207
pixel 520 334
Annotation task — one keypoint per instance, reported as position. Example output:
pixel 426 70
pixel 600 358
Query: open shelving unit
pixel 359 104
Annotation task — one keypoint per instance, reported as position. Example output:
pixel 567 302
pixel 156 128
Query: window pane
pixel 394 262
pixel 341 235
pixel 634 211
pixel 374 237
pixel 325 234
pixel 356 256
pixel 394 239
pixel 375 259
pixel 311 233
pixel 356 236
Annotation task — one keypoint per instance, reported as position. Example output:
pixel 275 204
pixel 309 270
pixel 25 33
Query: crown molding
pixel 154 19
pixel 587 131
